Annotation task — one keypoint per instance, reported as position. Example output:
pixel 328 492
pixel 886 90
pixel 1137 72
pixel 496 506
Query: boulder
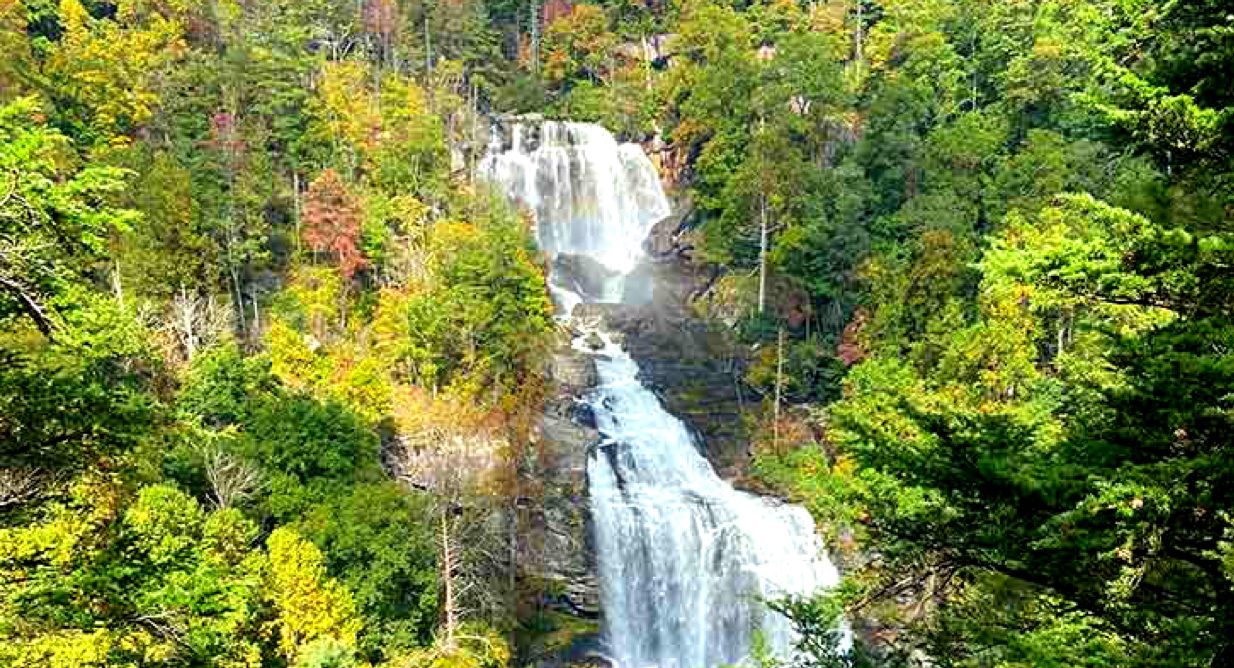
pixel 583 275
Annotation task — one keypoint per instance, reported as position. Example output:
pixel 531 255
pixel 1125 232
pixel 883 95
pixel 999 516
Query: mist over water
pixel 684 560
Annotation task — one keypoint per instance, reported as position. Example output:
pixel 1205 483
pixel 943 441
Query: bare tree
pixel 461 468
pixel 775 425
pixel 232 479
pixel 762 253
pixel 20 485
pixel 196 322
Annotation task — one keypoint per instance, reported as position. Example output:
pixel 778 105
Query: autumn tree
pixel 53 220
pixel 579 44
pixel 332 222
pixel 104 69
pixel 310 605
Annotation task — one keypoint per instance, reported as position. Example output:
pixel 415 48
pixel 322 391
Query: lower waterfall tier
pixel 685 560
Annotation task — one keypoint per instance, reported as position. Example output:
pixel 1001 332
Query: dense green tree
pixel 55 215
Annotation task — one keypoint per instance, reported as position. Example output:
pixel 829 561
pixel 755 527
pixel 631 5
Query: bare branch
pixel 19 486
pixel 29 304
pixel 232 480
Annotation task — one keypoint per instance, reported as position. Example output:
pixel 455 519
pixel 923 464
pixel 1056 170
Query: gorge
pixel 684 561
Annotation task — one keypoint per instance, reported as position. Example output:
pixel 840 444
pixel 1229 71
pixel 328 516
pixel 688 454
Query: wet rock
pixel 696 369
pixel 567 642
pixel 638 287
pixel 583 415
pixel 667 237
pixel 594 342
pixel 556 553
pixel 573 372
pixel 582 275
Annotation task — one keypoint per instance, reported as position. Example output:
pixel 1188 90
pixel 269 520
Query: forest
pixel 273 360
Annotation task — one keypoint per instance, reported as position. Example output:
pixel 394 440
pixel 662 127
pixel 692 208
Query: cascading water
pixel 591 196
pixel 685 561
pixel 684 558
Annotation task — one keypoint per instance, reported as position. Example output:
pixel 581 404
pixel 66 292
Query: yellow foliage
pixel 352 112
pixel 292 358
pixel 453 234
pixel 416 411
pixel 406 114
pixel 67 532
pixel 448 442
pixel 578 42
pixel 68 649
pixel 390 326
pixel 475 646
pixel 14 45
pixel 364 384
pixel 109 68
pixel 308 604
pixel 318 293
pixel 406 261
pixel 134 11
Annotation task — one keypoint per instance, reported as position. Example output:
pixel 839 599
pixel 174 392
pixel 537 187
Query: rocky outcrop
pixel 583 275
pixel 558 545
pixel 557 553
pixel 691 362
pixel 693 365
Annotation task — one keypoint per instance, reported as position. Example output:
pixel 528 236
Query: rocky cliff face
pixel 556 553
pixel 690 364
pixel 559 546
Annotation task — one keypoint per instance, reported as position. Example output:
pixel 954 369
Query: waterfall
pixel 591 195
pixel 684 560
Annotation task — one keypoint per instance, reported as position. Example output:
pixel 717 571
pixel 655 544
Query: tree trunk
pixel 647 60
pixel 428 62
pixel 762 255
pixel 775 425
pixel 118 284
pixel 235 283
pixel 187 313
pixel 535 36
pixel 295 205
pixel 448 561
pixel 860 30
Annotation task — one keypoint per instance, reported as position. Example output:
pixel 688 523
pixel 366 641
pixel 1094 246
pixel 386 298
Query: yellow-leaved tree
pixel 109 69
pixel 309 605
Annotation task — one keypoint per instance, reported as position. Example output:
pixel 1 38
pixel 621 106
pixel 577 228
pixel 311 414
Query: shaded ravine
pixel 684 560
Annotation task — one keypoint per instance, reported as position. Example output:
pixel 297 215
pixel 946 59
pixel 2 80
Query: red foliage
pixel 554 9
pixel 381 17
pixel 332 222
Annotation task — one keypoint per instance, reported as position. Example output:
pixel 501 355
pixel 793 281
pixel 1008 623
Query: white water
pixel 591 195
pixel 684 560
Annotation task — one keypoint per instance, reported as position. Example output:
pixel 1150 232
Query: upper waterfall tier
pixel 591 195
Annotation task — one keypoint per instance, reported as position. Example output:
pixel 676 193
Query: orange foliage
pixel 332 222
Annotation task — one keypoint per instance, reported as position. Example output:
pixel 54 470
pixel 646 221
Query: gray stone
pixel 572 371
pixel 582 274
pixel 594 341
